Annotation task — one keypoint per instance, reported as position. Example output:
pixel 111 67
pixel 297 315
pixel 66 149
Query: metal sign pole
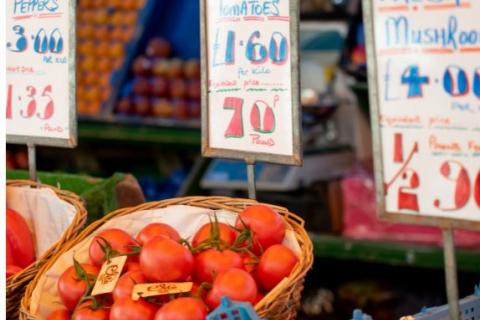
pixel 252 193
pixel 451 273
pixel 32 163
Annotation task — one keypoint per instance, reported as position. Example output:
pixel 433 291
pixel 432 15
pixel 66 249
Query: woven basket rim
pixel 20 279
pixel 216 202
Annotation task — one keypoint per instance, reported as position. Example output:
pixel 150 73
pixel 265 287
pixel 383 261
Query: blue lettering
pixel 399 33
pixel 30 6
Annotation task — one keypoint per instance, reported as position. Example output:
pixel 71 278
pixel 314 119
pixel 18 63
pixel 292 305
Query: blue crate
pixel 469 309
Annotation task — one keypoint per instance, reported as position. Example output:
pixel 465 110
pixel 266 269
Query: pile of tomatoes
pixel 242 262
pixel 19 244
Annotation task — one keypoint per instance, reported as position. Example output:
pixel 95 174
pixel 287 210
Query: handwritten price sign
pixel 426 103
pixel 40 102
pixel 250 89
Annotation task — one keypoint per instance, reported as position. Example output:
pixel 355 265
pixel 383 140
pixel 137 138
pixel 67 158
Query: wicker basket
pixel 281 304
pixel 16 284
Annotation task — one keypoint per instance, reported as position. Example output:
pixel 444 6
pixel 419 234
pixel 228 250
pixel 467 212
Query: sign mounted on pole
pixel 40 104
pixel 250 81
pixel 424 82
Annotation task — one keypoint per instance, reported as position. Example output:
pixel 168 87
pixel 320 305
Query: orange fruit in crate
pixel 104 79
pixel 85 31
pixel 102 49
pixel 82 106
pixel 175 68
pixel 105 93
pixel 117 18
pixel 191 69
pixel 100 3
pixel 85 4
pixel 88 63
pixel 130 18
pixel 92 94
pixel 127 34
pixel 101 17
pixel 89 16
pixel 86 47
pixel 91 78
pixel 117 33
pixel 94 107
pixel 102 33
pixel 142 106
pixel 160 67
pixel 162 108
pixel 116 49
pixel 178 88
pixel 139 4
pixel 104 64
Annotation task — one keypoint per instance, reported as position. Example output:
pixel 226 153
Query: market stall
pixel 228 159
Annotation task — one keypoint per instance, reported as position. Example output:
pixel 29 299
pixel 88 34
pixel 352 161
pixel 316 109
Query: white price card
pixel 424 73
pixel 40 68
pixel 250 80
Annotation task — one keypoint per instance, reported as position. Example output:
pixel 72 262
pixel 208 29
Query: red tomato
pixel 276 263
pixel 20 239
pixel 132 310
pixel 12 270
pixel 61 314
pixel 125 284
pixel 196 291
pixel 164 260
pixel 132 266
pixel 267 225
pixel 71 288
pixel 182 309
pixel 258 298
pixel 118 239
pixel 209 263
pixel 249 262
pixel 227 234
pixel 9 253
pixel 85 312
pixel 237 284
pixel 157 229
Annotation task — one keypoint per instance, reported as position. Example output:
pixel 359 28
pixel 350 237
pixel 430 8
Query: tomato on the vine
pixel 164 260
pixel 182 309
pixel 157 229
pixel 132 266
pixel 71 285
pixel 226 233
pixel 132 310
pixel 237 284
pixel 116 240
pixel 61 314
pixel 87 312
pixel 267 225
pixel 209 263
pixel 276 263
pixel 125 284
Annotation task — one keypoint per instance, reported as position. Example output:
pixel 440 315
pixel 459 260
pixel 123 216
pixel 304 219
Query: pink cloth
pixel 360 220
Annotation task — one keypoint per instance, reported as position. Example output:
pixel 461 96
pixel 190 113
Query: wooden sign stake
pixel 32 162
pixel 451 273
pixel 252 192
